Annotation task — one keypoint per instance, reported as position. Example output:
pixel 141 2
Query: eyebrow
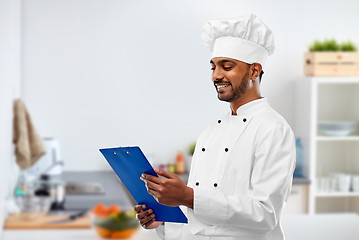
pixel 223 61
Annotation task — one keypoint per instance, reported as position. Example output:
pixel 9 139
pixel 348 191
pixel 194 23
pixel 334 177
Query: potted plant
pixel 330 58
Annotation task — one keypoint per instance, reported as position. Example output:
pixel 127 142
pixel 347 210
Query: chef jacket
pixel 241 175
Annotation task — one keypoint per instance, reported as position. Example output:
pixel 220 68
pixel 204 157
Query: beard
pixel 237 92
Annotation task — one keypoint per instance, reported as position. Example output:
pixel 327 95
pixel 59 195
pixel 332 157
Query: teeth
pixel 221 86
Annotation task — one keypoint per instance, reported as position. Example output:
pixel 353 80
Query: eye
pixel 227 68
pixel 213 68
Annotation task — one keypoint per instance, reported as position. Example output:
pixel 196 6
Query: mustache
pixel 221 82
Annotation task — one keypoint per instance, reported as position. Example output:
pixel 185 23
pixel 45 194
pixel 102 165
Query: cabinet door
pixel 298 200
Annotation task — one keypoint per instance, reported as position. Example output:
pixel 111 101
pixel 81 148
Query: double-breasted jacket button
pixel 244 119
pixel 197 183
pixel 226 149
pixel 219 121
pixel 203 149
pixel 215 184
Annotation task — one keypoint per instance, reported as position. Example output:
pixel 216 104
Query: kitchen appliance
pixel 32 207
pixel 51 163
pixel 48 172
pixel 54 187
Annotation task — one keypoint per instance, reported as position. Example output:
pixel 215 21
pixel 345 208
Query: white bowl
pixel 337 128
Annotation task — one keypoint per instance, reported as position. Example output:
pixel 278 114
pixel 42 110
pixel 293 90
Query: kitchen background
pixel 110 73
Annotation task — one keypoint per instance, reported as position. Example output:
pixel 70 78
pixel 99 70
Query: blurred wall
pixel 109 73
pixel 10 68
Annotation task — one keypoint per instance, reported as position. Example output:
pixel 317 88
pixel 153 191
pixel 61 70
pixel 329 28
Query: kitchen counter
pixel 301 180
pixel 296 227
pixel 69 235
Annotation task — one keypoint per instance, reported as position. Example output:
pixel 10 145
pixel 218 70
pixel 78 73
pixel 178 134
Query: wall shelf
pixel 337 194
pixel 329 139
pixel 330 99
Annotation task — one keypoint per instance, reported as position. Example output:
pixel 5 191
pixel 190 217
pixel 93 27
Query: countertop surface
pixel 296 227
pixel 301 180
pixel 79 234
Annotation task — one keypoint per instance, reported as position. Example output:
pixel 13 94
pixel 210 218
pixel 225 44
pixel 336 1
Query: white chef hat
pixel 244 38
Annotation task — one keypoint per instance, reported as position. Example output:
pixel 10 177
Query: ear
pixel 255 70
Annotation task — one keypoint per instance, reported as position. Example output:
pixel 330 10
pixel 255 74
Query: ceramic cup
pixel 323 184
pixel 343 182
pixel 333 184
pixel 355 183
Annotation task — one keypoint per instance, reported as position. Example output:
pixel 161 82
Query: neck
pixel 250 95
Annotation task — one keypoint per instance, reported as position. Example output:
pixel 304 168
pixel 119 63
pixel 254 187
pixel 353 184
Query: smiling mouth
pixel 221 86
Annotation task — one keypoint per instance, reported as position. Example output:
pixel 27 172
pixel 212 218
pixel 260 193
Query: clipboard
pixel 129 163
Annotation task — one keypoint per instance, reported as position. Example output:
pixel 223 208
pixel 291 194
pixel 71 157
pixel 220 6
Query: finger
pixel 152 185
pixel 164 173
pixel 144 214
pixel 139 208
pixel 148 177
pixel 149 223
pixel 154 194
pixel 146 220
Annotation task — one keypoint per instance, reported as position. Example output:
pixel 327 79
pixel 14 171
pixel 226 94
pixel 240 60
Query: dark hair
pixel 260 76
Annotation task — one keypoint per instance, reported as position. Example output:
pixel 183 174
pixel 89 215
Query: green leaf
pixel 331 46
pixel 191 148
pixel 348 47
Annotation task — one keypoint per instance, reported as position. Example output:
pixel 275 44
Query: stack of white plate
pixel 337 128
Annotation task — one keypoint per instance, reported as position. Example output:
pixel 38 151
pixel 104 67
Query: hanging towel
pixel 28 143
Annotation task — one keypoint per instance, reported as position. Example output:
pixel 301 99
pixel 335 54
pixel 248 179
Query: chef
pixel 242 167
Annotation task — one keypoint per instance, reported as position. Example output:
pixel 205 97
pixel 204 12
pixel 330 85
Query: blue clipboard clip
pixel 129 163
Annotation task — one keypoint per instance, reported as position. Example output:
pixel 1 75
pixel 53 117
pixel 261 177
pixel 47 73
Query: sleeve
pixel 161 231
pixel 270 184
pixel 172 231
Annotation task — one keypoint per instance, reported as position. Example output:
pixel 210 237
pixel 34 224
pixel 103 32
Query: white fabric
pixel 240 49
pixel 253 177
pixel 244 38
pixel 161 231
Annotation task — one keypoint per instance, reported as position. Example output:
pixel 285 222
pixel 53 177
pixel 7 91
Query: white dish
pixel 337 128
pixel 337 133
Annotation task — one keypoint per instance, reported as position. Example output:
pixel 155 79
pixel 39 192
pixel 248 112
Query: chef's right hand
pixel 146 218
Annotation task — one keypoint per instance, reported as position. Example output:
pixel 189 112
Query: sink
pixel 84 188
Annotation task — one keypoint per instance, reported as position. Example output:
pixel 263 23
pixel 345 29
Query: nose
pixel 217 74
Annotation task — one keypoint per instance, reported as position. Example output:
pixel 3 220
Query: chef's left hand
pixel 170 190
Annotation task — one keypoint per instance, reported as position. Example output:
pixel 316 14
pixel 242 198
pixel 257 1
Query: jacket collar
pixel 251 107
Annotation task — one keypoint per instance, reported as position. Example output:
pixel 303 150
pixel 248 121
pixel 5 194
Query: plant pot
pixel 331 64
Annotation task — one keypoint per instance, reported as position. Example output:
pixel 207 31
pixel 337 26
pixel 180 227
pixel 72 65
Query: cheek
pixel 235 76
pixel 232 77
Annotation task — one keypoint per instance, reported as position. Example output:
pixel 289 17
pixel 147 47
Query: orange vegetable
pixel 113 209
pixel 100 210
